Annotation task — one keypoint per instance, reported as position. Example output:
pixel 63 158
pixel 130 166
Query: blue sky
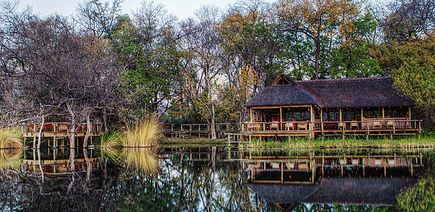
pixel 180 8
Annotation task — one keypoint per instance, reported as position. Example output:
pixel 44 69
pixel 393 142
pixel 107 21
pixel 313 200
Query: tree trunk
pixel 317 54
pixel 72 132
pixel 88 165
pixel 88 130
pixel 213 122
pixel 209 94
pixel 317 60
pixel 41 128
pixel 106 128
pixel 39 146
pixel 72 157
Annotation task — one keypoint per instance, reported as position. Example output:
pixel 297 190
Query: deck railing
pixel 366 125
pixel 60 127
pixel 170 127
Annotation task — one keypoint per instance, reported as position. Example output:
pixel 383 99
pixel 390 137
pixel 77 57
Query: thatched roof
pixel 338 93
pixel 353 191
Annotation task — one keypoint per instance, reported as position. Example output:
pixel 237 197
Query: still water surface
pixel 219 178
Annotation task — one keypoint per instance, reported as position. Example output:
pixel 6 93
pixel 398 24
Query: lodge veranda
pixel 359 107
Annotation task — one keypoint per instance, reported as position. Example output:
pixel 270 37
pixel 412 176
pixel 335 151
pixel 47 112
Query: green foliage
pixel 420 197
pixel 413 69
pixel 354 57
pixel 151 66
pixel 110 140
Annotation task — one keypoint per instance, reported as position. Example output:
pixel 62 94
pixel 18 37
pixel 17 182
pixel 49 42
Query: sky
pixel 180 8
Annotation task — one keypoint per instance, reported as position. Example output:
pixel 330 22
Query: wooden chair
pixel 254 127
pixel 274 125
pixel 302 126
pixel 353 125
pixel 341 125
pixel 391 124
pixel 377 124
pixel 290 125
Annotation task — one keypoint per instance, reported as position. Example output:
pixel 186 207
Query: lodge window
pixel 351 115
pixel 395 112
pixel 372 113
pixel 331 116
pixel 297 115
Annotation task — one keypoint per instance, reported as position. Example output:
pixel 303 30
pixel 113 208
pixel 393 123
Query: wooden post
pixel 341 123
pixel 251 115
pixel 199 131
pixel 383 113
pixel 282 172
pixel 310 125
pixel 323 164
pixel 409 113
pixel 280 118
pixel 321 120
pixel 419 127
pixel 341 115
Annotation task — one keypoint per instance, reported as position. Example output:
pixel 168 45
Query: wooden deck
pixel 56 134
pixel 59 129
pixel 331 128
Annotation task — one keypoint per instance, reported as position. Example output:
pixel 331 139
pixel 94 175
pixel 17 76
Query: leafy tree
pixel 354 56
pixel 147 49
pixel 412 67
pixel 317 22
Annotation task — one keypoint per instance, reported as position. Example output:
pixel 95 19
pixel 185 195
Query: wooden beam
pixel 311 127
pixel 409 113
pixel 250 115
pixel 282 106
pixel 321 120
pixel 341 115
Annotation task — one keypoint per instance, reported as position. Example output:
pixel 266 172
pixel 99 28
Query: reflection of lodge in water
pixel 60 161
pixel 353 179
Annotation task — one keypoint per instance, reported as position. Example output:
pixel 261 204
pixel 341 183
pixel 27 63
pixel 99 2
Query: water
pixel 218 178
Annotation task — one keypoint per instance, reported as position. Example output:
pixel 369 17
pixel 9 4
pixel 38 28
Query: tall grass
pixel 10 159
pixel 11 139
pixel 142 160
pixel 143 134
pixel 111 140
pixel 409 142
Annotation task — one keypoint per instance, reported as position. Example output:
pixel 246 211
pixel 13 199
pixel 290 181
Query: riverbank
pixel 427 141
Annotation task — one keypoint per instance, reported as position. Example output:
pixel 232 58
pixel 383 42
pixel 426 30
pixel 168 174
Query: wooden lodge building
pixel 331 107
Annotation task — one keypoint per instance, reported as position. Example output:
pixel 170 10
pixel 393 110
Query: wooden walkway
pixel 197 130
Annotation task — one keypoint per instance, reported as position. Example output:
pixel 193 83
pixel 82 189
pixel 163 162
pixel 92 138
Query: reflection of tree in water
pixel 26 191
pixel 180 183
pixel 187 185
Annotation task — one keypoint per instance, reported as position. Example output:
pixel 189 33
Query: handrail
pixel 56 127
pixel 371 124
